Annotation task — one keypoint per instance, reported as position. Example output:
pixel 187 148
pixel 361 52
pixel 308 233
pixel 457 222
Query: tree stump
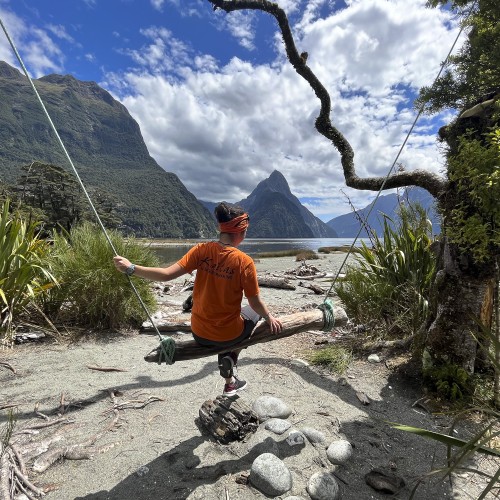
pixel 228 419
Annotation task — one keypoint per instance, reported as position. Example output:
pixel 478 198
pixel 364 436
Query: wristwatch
pixel 130 270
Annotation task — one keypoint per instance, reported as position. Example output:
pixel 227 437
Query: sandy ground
pixel 158 450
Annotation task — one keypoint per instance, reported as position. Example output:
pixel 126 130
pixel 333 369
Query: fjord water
pixel 172 251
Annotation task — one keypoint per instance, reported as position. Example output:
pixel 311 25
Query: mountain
pixel 107 149
pixel 347 225
pixel 276 213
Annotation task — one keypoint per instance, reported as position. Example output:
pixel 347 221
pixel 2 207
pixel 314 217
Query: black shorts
pixel 248 327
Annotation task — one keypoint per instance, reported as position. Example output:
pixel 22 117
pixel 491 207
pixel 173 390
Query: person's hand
pixel 274 324
pixel 121 263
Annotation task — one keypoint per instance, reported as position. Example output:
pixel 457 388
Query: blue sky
pixel 219 105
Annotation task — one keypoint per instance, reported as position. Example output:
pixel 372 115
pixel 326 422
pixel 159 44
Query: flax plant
pixel 24 274
pixel 389 285
pixel 92 293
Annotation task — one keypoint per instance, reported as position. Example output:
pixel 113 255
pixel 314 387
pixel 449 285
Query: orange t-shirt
pixel 223 274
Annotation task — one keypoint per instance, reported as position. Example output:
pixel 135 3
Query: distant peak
pixel 277 182
pixel 8 71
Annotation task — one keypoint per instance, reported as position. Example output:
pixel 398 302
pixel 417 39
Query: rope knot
pixel 167 350
pixel 328 316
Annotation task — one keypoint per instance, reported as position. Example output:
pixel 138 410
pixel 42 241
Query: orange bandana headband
pixel 236 225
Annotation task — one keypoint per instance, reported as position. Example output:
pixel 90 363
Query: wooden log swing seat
pixel 315 319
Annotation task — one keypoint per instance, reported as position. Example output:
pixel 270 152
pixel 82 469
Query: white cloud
pixel 223 129
pixel 40 53
pixel 241 25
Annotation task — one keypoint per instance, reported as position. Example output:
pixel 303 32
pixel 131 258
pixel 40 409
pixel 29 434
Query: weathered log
pixel 166 327
pixel 275 282
pixel 292 324
pixel 228 419
pixel 315 288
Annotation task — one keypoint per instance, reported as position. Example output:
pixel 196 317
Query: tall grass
pixel 23 273
pixel 389 285
pixel 92 293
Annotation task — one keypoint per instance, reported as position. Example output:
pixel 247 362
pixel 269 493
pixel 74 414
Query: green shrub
pixel 292 252
pixel 92 292
pixel 389 284
pixel 334 357
pixel 23 274
pixel 306 255
pixel 450 381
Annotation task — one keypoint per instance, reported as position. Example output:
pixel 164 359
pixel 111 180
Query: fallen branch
pixel 7 365
pixel 106 369
pixel 315 288
pixel 275 282
pixel 292 324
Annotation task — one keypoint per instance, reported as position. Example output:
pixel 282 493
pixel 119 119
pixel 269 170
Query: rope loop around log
pixel 328 316
pixel 166 350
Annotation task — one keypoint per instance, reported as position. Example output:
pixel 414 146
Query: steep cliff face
pixel 106 146
pixel 276 213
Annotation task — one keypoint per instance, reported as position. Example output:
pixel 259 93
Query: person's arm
pixel 261 309
pixel 150 273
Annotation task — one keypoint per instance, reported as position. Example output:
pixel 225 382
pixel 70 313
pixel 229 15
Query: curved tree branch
pixel 422 178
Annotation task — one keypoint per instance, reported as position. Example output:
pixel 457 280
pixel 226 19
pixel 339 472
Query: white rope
pixel 11 42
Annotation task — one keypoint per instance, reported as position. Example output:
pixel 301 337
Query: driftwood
pixel 275 282
pixel 315 288
pixel 166 327
pixel 292 324
pixel 228 419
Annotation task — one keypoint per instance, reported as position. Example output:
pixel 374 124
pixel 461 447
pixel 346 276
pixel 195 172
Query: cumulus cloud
pixel 224 127
pixel 40 52
pixel 236 123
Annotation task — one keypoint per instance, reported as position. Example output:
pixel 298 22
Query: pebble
pixel 270 475
pixel 373 358
pixel 277 425
pixel 323 486
pixel 299 362
pixel 314 436
pixel 339 452
pixel 270 407
pixel 295 438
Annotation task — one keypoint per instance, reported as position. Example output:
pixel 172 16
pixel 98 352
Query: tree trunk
pixel 463 297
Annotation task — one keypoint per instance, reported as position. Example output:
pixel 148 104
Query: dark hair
pixel 224 212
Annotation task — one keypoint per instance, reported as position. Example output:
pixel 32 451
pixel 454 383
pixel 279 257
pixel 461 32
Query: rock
pixel 323 486
pixel 277 425
pixel 270 475
pixel 384 482
pixel 270 407
pixel 363 398
pixel 294 498
pixel 314 436
pixel 339 452
pixel 295 438
pixel 299 362
pixel 142 471
pixel 373 358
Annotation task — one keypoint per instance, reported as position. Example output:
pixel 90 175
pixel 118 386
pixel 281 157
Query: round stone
pixel 323 486
pixel 339 452
pixel 270 475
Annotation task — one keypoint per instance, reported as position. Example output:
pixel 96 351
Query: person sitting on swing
pixel 223 274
